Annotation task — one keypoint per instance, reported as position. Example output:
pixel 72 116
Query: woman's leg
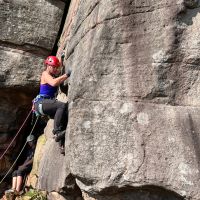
pixel 14 183
pixel 14 180
pixel 19 183
pixel 20 175
pixel 60 117
pixel 58 111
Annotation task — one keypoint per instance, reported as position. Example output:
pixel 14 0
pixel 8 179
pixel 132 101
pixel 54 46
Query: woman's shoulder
pixel 43 77
pixel 44 73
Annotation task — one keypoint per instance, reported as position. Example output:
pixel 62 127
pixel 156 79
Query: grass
pixel 34 194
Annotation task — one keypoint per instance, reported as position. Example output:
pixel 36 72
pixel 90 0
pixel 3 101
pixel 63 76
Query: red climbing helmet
pixel 53 61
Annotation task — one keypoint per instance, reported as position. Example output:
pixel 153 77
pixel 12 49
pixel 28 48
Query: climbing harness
pixel 19 153
pixel 38 98
pixel 15 135
pixel 40 109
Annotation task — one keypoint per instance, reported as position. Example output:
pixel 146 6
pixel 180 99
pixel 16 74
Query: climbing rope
pixel 15 135
pixel 19 153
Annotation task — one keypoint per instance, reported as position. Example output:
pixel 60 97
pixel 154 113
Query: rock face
pixel 37 157
pixel 52 165
pixel 28 33
pixel 133 129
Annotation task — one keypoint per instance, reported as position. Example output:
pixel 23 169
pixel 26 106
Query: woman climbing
pixel 45 103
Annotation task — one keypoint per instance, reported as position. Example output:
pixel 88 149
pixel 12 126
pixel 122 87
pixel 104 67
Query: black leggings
pixel 56 110
pixel 22 172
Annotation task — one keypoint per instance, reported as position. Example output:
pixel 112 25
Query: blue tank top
pixel 48 90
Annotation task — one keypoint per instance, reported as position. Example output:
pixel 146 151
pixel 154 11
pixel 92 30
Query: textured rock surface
pixel 133 128
pixel 33 177
pixel 130 59
pixel 57 165
pixel 28 33
pixel 27 36
pixel 158 145
pixel 52 171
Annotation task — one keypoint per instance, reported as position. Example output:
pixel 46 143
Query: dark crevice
pixel 29 87
pixel 19 142
pixel 71 188
pixel 56 3
pixel 187 17
pixel 153 192
pixel 55 47
pixel 27 48
pixel 191 4
pixel 194 134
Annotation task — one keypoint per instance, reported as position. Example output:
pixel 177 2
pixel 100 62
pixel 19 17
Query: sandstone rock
pixel 30 24
pixel 135 52
pixel 53 174
pixel 53 169
pixel 28 33
pixel 158 145
pixel 133 93
pixel 37 157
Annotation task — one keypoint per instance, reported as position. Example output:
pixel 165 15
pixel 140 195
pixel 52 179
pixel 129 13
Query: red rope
pixel 15 135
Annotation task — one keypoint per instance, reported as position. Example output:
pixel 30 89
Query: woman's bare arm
pixel 47 78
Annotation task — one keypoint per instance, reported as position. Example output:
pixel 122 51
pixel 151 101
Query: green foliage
pixel 34 194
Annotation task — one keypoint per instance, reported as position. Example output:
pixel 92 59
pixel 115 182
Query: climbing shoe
pixel 15 192
pixel 10 194
pixel 59 136
pixel 62 150
pixel 10 191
